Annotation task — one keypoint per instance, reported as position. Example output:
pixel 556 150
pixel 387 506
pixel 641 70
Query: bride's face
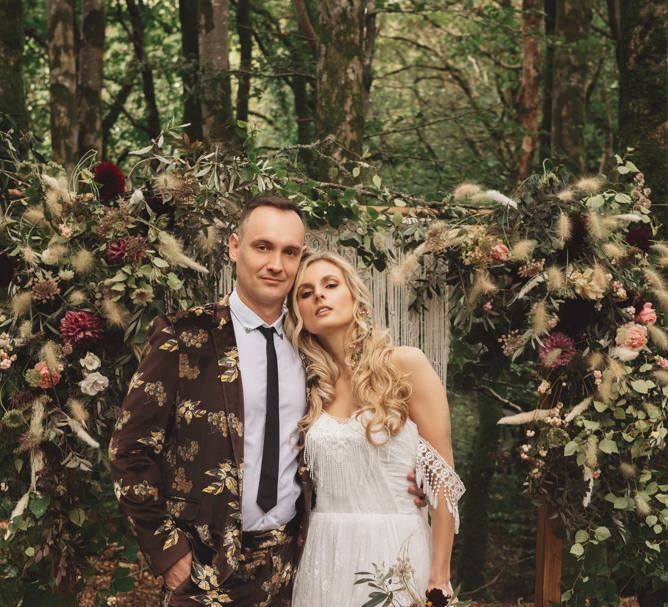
pixel 324 300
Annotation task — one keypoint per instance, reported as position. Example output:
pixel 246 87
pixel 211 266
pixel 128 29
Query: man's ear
pixel 233 245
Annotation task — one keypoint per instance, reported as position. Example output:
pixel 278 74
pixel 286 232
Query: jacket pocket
pixel 182 508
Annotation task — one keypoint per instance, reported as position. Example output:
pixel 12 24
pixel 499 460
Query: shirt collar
pixel 250 320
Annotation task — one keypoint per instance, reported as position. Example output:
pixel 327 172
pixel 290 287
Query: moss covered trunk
pixel 216 88
pixel 91 53
pixel 572 31
pixel 340 83
pixel 63 83
pixel 12 94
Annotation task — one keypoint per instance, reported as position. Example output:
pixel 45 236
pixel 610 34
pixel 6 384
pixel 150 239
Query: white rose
pixel 90 361
pixel 93 383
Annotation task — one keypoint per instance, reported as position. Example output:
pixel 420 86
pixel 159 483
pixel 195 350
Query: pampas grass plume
pixel 613 250
pixel 591 452
pixel 564 227
pixel 34 216
pixel 590 185
pixel 566 195
pixel 661 376
pixel 82 261
pixel 209 240
pixel 51 354
pixel 54 254
pixel 28 254
pixel 77 297
pixel 595 360
pixel 595 226
pixel 78 410
pixel 555 278
pixel 523 249
pixel 526 417
pixel 466 190
pixel 171 250
pixel 539 318
pixel 482 284
pixel 658 336
pixel 21 303
pixel 115 313
pixel 628 471
pixel 402 273
pixel 25 329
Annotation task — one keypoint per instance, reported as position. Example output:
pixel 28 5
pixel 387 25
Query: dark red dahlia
pixel 116 251
pixel 78 326
pixel 639 236
pixel 111 179
pixel 7 269
pixel 557 350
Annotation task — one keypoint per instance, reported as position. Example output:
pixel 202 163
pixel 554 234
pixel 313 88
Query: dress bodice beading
pixel 352 475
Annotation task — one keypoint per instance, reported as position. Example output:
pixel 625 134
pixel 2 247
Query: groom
pixel 203 457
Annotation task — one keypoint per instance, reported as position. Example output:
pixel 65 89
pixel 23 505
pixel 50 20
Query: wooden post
pixel 549 547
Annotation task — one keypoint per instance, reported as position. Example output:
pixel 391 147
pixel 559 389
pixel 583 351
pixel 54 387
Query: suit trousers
pixel 264 577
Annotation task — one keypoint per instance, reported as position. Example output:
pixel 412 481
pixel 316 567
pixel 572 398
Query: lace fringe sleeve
pixel 438 479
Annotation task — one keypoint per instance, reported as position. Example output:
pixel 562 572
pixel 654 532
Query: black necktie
pixel 268 489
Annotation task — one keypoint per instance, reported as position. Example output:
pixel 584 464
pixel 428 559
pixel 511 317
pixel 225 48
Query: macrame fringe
pixel 438 479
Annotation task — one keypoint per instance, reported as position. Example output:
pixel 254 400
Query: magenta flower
pixel 557 350
pixel 117 251
pixel 78 326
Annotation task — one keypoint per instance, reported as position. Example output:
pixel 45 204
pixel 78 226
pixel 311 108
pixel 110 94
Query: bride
pixel 376 411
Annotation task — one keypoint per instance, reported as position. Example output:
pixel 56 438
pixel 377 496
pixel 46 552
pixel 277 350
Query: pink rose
pixel 663 362
pixel 47 378
pixel 499 252
pixel 487 306
pixel 646 316
pixel 632 336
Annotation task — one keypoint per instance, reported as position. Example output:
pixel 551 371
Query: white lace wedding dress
pixel 364 514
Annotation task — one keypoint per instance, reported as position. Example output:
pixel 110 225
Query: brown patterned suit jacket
pixel 177 450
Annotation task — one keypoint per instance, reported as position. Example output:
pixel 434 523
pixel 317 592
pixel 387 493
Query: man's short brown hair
pixel 268 200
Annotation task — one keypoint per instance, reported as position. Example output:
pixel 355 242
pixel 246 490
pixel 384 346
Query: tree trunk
pixel 62 82
pixel 340 87
pixel 550 8
pixel 529 91
pixel 192 109
pixel 91 55
pixel 475 508
pixel 216 88
pixel 573 24
pixel 643 105
pixel 12 94
pixel 137 23
pixel 244 31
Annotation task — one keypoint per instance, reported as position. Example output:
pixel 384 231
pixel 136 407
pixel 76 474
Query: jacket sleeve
pixel 135 450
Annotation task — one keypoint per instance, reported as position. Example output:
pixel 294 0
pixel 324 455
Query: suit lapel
pixel 229 377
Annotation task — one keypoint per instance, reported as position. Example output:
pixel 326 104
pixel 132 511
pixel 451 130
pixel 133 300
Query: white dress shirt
pixel 292 406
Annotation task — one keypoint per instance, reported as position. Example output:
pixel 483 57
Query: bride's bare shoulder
pixel 409 359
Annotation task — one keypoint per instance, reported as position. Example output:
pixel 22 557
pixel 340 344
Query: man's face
pixel 267 253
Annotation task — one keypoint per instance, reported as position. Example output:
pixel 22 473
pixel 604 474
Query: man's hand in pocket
pixel 179 572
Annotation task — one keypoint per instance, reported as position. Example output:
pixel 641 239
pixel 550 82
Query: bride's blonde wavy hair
pixel 378 386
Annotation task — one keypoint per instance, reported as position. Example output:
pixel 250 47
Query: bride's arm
pixel 428 408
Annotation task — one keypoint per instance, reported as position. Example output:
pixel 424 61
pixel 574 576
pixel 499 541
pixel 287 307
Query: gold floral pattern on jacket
pixel 186 371
pixel 188 409
pixel 229 366
pixel 226 474
pixel 169 529
pixel 194 339
pixel 156 440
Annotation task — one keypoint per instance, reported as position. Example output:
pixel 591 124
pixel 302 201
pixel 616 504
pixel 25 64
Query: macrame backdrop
pixel 428 330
